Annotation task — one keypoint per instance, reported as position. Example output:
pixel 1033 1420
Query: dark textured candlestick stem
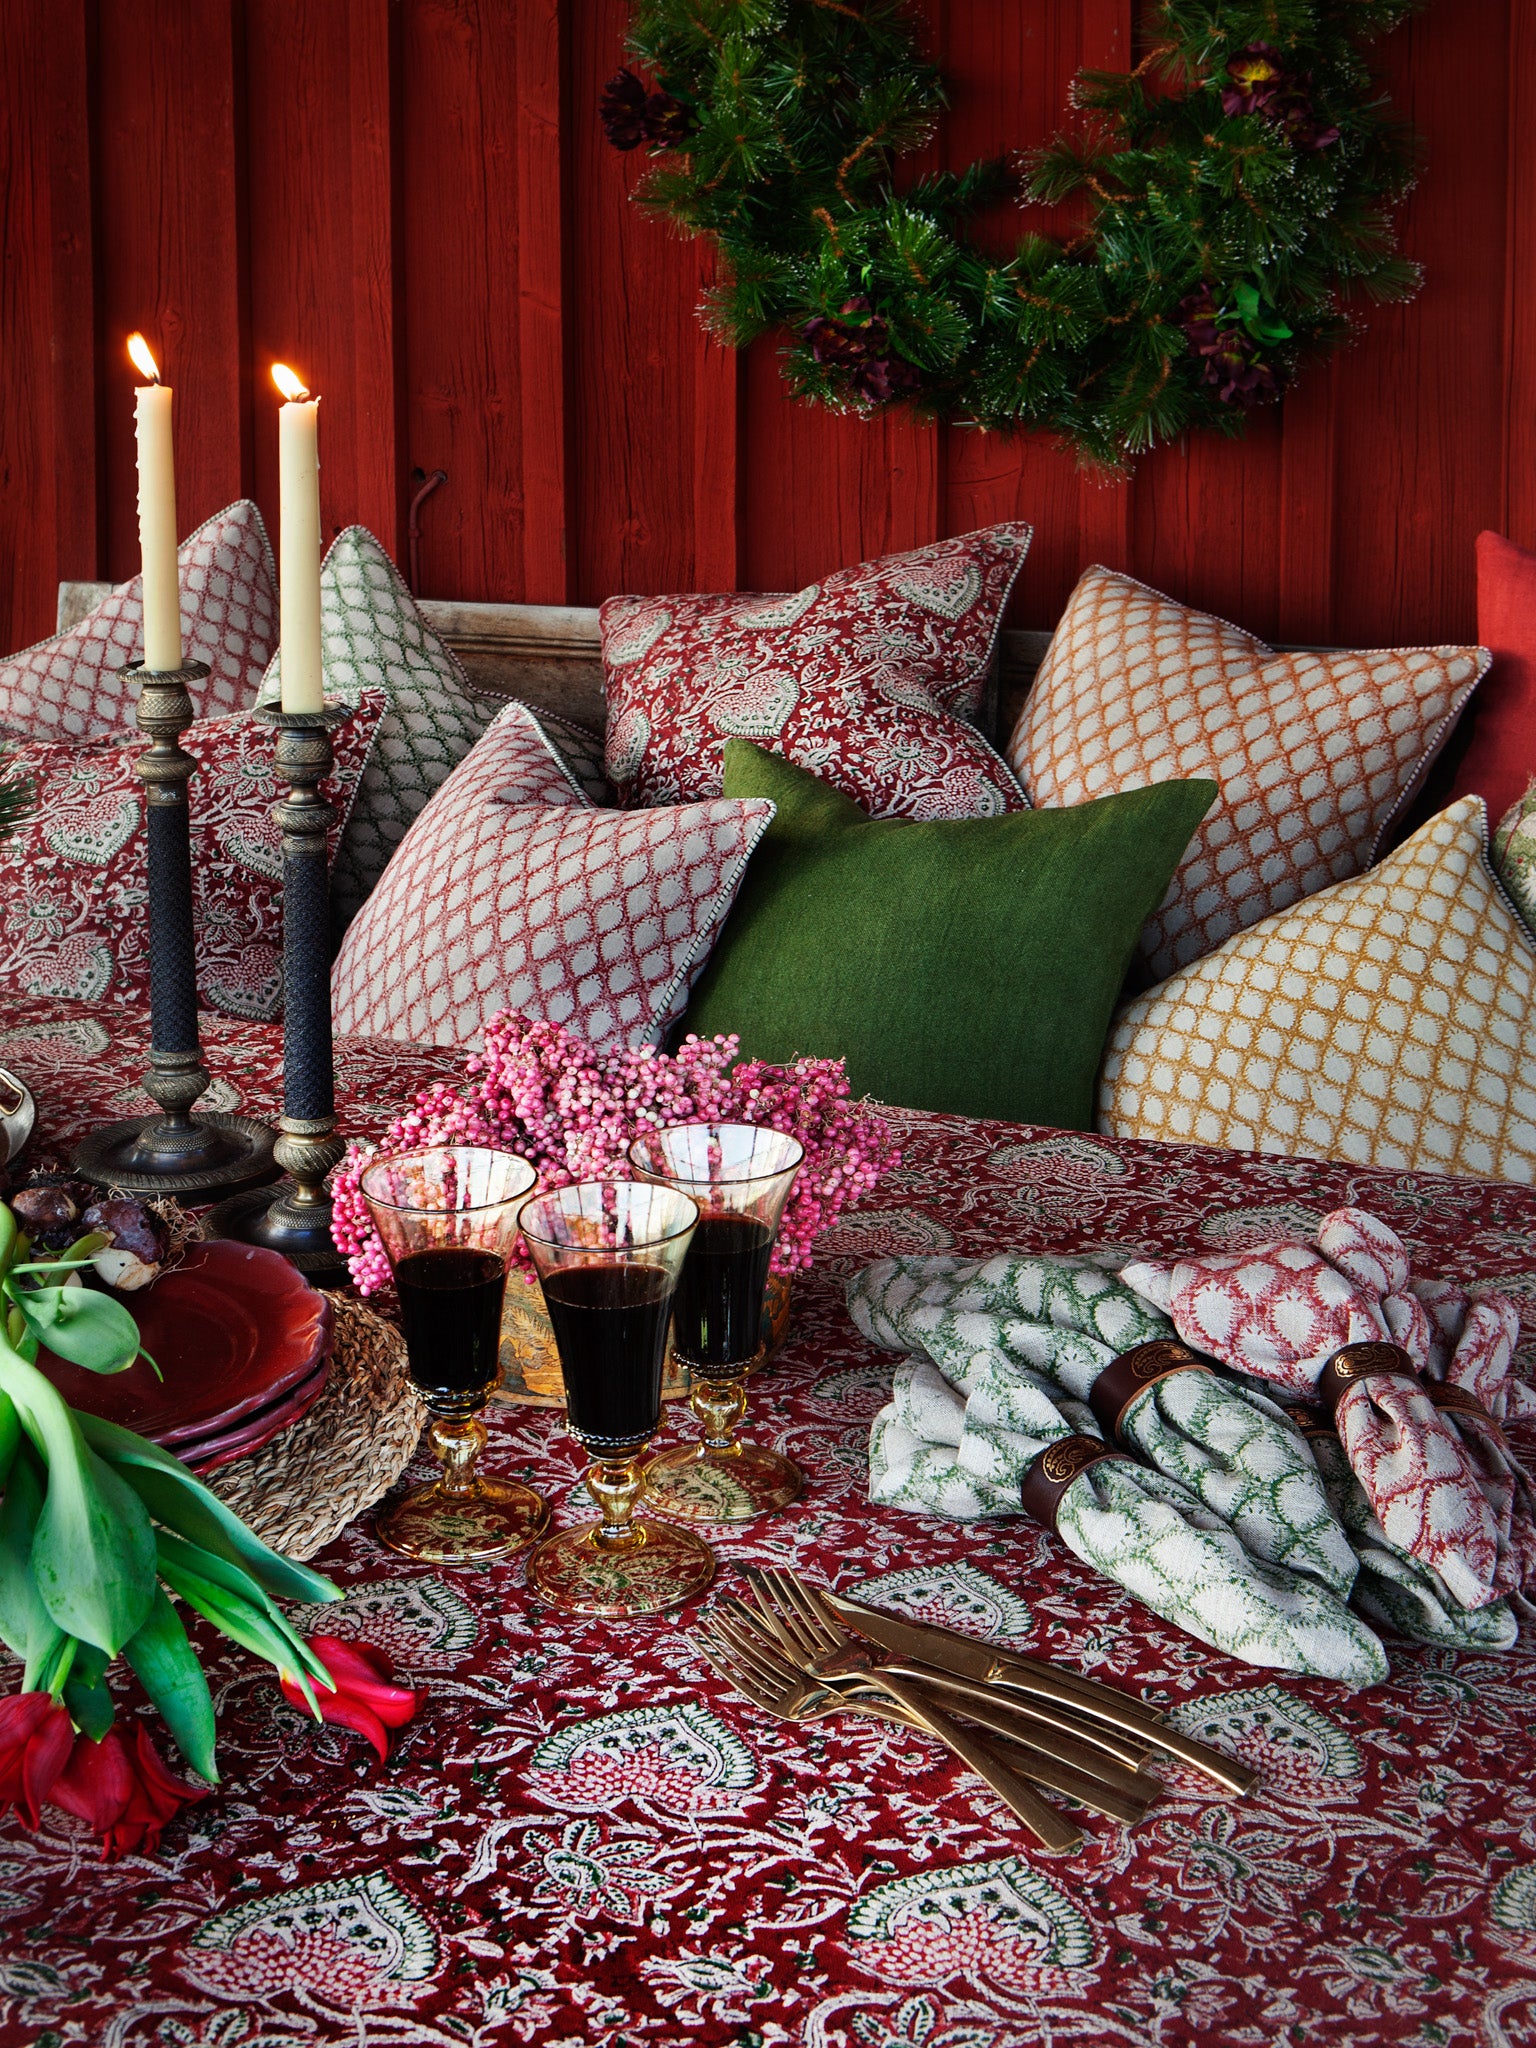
pixel 174 1153
pixel 295 1218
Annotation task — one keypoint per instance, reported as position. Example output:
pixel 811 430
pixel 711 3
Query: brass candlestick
pixel 295 1217
pixel 174 1152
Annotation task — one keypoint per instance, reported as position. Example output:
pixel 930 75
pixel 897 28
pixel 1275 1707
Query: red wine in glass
pixel 717 1316
pixel 450 1309
pixel 610 1325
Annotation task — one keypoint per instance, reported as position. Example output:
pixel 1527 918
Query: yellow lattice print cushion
pixel 1314 754
pixel 1390 1020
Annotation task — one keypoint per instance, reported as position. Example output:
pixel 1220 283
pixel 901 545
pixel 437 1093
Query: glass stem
pixel 458 1445
pixel 616 1487
pixel 719 1405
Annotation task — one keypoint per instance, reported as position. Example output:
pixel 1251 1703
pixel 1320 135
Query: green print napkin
pixel 1144 1531
pixel 1064 1320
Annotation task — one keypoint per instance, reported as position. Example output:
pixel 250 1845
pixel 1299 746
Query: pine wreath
pixel 1236 192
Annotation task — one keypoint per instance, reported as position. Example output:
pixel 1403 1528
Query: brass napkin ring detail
pixel 1459 1401
pixel 1375 1360
pixel 1129 1375
pixel 1051 1471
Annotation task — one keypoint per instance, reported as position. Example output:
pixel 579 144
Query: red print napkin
pixel 1282 1312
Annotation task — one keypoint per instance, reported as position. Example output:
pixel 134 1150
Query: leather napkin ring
pixel 1051 1471
pixel 1377 1360
pixel 1459 1401
pixel 1129 1375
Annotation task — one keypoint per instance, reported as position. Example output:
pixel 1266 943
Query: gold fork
pixel 1130 1720
pixel 1124 1798
pixel 812 1632
pixel 779 1689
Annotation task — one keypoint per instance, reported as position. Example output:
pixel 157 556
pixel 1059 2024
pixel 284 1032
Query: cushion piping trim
pixel 1434 746
pixel 726 894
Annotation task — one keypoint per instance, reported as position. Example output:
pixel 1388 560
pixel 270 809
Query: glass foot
pixel 697 1484
pixel 574 1571
pixel 493 1519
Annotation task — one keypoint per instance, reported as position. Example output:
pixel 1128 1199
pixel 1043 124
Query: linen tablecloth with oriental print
pixel 583 1837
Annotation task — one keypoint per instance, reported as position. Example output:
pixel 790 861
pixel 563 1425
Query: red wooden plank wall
pixel 412 201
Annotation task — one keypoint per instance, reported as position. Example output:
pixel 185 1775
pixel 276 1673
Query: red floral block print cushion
pixel 512 892
pixel 69 688
pixel 866 679
pixel 1315 754
pixel 74 888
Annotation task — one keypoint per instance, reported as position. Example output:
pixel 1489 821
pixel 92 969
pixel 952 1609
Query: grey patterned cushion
pixel 374 637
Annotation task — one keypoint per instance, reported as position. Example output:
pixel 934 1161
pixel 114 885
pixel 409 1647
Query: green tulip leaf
pixel 78 1324
pixel 93 1551
pixel 233 1578
pixel 25 1623
pixel 166 1665
pixel 85 1691
pixel 10 1436
pixel 240 1621
pixel 179 1500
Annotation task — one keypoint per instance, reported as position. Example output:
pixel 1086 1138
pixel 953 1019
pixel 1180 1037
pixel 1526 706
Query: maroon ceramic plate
pixel 233 1328
pixel 308 1389
pixel 203 1454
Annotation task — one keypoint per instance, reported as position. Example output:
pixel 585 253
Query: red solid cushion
pixel 1500 758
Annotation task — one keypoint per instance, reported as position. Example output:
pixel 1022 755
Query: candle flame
pixel 142 360
pixel 287 382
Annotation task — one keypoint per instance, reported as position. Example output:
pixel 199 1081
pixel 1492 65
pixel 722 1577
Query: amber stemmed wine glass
pixel 740 1175
pixel 608 1255
pixel 448 1220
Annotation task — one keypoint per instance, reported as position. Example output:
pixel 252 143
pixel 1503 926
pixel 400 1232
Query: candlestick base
pixel 293 1218
pixel 171 1155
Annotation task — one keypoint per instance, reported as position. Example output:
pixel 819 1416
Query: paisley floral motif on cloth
pixel 866 678
pixel 1280 1312
pixel 1377 1888
pixel 1315 754
pixel 74 879
pixel 961 1451
pixel 1066 1320
pixel 70 688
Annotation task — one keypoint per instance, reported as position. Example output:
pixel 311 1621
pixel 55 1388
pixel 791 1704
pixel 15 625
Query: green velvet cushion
pixel 967 965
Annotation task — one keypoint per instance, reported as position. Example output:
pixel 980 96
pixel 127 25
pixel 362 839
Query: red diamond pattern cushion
pixel 69 688
pixel 73 879
pixel 866 679
pixel 512 891
pixel 1315 754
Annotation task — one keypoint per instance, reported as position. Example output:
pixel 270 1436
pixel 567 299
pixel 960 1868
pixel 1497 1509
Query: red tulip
pixel 363 1697
pixel 35 1735
pixel 126 1798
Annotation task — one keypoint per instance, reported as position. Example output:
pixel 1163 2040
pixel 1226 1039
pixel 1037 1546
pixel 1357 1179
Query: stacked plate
pixel 242 1342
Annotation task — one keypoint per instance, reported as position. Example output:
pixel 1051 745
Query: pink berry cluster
pixel 572 1109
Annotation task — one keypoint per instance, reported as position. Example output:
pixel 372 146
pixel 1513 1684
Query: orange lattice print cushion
pixel 1314 754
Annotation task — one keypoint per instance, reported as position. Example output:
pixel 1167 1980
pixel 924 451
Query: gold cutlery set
pixel 800 1653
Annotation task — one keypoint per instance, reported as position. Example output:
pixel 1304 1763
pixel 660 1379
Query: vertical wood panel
pixel 413 198
pixel 542 114
pixel 168 249
pixel 48 476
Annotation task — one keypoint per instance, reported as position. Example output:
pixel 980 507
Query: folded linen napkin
pixel 928 1454
pixel 1395 1591
pixel 1463 1345
pixel 1282 1312
pixel 1066 1321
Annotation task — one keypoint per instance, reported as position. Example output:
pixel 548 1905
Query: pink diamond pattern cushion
pixel 73 880
pixel 512 891
pixel 866 679
pixel 1390 1020
pixel 1315 754
pixel 68 688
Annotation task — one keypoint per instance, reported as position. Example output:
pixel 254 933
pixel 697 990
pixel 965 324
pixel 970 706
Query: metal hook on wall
pixel 413 523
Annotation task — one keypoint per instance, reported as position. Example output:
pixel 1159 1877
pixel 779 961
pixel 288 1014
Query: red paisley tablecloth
pixel 584 1838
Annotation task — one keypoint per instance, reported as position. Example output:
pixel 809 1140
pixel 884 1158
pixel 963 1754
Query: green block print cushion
pixel 967 965
pixel 373 636
pixel 1514 856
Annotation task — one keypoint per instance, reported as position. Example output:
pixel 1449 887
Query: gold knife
pixel 1035 1679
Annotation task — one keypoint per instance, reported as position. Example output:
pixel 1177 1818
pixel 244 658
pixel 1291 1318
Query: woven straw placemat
pixel 300 1491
